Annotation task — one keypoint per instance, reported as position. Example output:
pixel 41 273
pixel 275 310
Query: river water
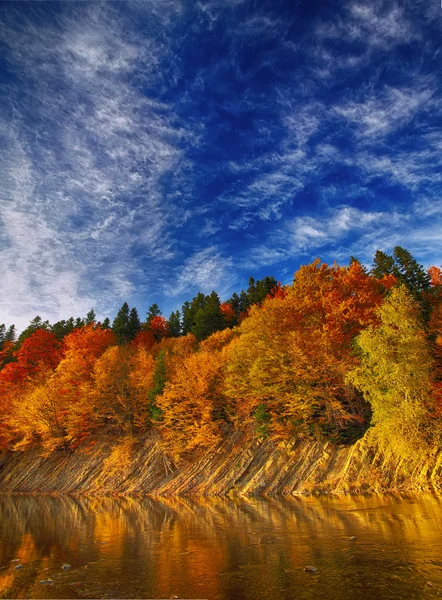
pixel 241 549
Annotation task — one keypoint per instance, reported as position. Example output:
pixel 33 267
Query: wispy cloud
pixel 161 148
pixel 205 270
pixel 86 154
pixel 386 111
pixel 379 24
pixel 309 233
pixel 345 230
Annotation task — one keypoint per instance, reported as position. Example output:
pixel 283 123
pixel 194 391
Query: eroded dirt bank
pixel 235 467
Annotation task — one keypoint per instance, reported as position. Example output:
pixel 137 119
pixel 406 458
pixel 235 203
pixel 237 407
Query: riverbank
pixel 236 467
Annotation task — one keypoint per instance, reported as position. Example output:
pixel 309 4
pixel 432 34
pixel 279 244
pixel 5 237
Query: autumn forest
pixel 340 352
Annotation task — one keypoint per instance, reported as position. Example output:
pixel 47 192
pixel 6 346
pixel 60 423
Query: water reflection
pixel 219 549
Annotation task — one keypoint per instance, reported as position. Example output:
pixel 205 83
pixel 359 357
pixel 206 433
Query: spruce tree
pixel 174 323
pixel 410 273
pixel 353 260
pixel 79 322
pixel 36 323
pixel 244 302
pixel 10 334
pixel 134 324
pixel 187 322
pixel 90 317
pixel 190 310
pixel 251 291
pixel 106 323
pixel 152 312
pixel 208 318
pixel 121 324
pixel 383 264
pixel 158 383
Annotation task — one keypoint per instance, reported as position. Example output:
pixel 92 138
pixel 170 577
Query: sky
pixel 153 149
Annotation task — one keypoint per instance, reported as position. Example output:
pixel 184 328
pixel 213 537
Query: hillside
pixel 232 468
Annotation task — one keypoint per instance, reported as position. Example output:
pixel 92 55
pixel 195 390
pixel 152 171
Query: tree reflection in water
pixel 246 549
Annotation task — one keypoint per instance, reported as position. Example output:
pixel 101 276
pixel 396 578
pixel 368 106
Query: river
pixel 241 549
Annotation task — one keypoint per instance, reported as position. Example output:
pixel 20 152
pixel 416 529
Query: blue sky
pixel 150 150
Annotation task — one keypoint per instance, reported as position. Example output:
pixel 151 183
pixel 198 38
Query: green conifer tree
pixel 152 312
pixel 90 317
pixel 106 323
pixel 134 324
pixel 174 323
pixel 209 318
pixel 121 324
pixel 159 381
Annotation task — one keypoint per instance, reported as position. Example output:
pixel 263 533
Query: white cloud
pixel 378 24
pixel 309 233
pixel 204 271
pixel 84 156
pixel 340 232
pixel 381 113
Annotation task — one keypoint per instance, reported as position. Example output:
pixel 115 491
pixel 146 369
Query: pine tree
pixel 90 317
pixel 121 324
pixel 134 324
pixel 209 318
pixel 152 312
pixel 174 324
pixel 383 264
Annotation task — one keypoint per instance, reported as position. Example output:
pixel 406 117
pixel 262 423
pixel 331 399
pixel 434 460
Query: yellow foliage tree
pixel 218 340
pixel 41 414
pixel 192 404
pixel 395 377
pixel 286 372
pixel 122 379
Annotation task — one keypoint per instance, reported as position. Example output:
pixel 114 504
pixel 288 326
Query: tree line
pixel 339 351
pixel 204 315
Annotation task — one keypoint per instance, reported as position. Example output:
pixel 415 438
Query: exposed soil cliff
pixel 235 467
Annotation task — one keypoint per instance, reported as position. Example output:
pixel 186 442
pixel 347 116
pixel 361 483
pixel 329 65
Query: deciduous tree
pixel 394 376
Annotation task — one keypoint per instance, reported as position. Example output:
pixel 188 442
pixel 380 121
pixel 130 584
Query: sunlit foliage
pixel 395 376
pixel 339 350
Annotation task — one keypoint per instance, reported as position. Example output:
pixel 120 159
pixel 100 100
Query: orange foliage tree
pixel 286 371
pixel 122 379
pixel 159 327
pixel 73 378
pixel 144 338
pixel 435 339
pixel 193 403
pixel 35 361
pixel 228 313
pixel 175 351
pixel 435 274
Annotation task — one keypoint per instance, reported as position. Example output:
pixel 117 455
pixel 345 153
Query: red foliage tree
pixel 159 328
pixel 228 313
pixel 145 339
pixel 39 355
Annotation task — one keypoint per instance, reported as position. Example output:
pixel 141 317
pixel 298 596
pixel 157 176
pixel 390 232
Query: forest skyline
pixel 339 353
